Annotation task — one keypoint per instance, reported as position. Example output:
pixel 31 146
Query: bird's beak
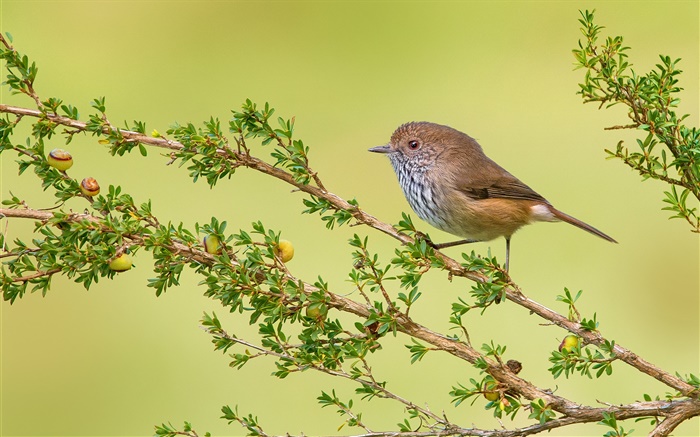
pixel 381 149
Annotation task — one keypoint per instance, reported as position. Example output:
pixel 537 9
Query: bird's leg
pixel 453 243
pixel 507 252
pixel 422 236
pixel 467 241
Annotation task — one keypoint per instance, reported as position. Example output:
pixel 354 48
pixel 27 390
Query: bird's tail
pixel 579 224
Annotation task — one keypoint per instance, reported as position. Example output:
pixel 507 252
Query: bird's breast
pixel 423 196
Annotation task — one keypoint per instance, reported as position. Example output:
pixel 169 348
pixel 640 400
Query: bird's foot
pixel 421 236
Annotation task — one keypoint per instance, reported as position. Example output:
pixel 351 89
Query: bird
pixel 450 183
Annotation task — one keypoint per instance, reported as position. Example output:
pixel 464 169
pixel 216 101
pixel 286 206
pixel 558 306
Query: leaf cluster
pixel 582 360
pixel 669 150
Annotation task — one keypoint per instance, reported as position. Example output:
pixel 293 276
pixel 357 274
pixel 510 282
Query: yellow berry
pixel 89 187
pixel 121 263
pixel 569 343
pixel 490 392
pixel 212 244
pixel 60 159
pixel 285 251
pixel 316 311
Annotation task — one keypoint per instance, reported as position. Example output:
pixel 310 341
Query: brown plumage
pixel 450 183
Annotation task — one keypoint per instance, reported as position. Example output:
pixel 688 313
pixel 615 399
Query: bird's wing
pixel 501 185
pixel 504 189
pixel 482 178
pixel 518 191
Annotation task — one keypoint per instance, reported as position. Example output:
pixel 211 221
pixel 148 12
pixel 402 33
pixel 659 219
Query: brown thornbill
pixel 451 184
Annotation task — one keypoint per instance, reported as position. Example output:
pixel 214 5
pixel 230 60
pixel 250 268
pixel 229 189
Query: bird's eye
pixel 413 144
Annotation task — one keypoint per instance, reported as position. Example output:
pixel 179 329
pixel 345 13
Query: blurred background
pixel 116 360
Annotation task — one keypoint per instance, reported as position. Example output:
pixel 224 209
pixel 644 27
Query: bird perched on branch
pixel 451 184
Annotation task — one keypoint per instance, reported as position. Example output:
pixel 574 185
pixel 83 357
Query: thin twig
pixel 626 126
pixel 36 275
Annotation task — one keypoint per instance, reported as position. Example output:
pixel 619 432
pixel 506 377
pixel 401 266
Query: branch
pixel 342 374
pixel 261 166
pixel 627 126
pixel 649 98
pixel 459 349
pixel 597 339
pixel 634 165
pixel 404 323
pixel 38 274
pixel 28 88
pixel 666 427
pixel 621 413
pixel 513 293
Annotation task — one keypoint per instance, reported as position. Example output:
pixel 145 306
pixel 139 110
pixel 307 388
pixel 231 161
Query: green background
pixel 116 360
